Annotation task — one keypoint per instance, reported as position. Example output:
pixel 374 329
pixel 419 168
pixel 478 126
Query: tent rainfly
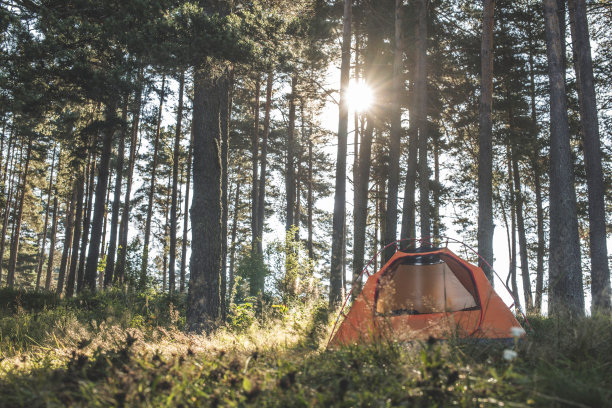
pixel 426 293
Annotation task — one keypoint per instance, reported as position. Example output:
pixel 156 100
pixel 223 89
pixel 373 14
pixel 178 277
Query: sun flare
pixel 359 96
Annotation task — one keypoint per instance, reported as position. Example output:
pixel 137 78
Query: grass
pixel 118 349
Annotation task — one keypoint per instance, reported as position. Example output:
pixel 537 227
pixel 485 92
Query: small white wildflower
pixel 517 331
pixel 510 355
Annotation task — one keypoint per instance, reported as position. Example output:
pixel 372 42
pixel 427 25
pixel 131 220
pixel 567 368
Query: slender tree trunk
pixel 512 272
pixel 175 166
pixel 76 235
pixel 436 222
pixel 522 238
pixel 310 195
pixel 86 221
pixel 68 228
pixel 254 162
pixel 125 216
pixel 396 133
pixel 147 232
pixel 485 143
pixel 565 274
pixel 583 64
pixel 421 90
pixel 204 298
pixel 360 211
pixel 225 116
pixel 234 234
pixel 541 243
pixel 290 170
pixel 535 157
pixel 91 266
pixel 409 206
pixel 10 278
pixel 186 217
pixel 41 256
pixel 109 269
pixel 9 198
pixel 52 245
pixel 261 206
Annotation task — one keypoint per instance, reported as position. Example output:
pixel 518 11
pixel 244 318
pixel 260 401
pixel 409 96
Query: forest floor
pixel 113 349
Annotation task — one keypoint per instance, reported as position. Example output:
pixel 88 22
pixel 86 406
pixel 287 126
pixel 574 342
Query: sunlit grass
pixel 116 349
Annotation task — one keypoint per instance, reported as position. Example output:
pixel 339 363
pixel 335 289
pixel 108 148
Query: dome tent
pixel 425 293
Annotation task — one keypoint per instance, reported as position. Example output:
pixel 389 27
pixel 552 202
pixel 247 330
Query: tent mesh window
pixel 408 288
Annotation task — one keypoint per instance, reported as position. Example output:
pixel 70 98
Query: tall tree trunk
pixel 565 274
pixel 68 228
pixel 261 206
pixel 125 214
pixel 234 234
pixel 225 116
pixel 49 276
pixel 254 162
pixel 109 269
pixel 9 198
pixel 91 266
pixel 436 222
pixel 360 211
pixel 522 237
pixel 10 278
pixel 310 195
pixel 147 232
pixel 175 167
pixel 290 169
pixel 540 233
pixel 583 64
pixel 409 205
pixel 335 278
pixel 41 256
pixel 421 90
pixel 86 221
pixel 76 235
pixel 396 134
pixel 204 300
pixel 513 210
pixel 186 217
pixel 485 143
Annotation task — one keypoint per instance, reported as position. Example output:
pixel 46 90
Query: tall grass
pixel 116 349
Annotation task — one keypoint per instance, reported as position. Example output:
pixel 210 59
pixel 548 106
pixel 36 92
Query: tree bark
pixel 360 211
pixel 225 116
pixel 310 210
pixel 68 228
pixel 234 234
pixel 565 275
pixel 261 206
pixel 41 256
pixel 522 237
pixel 147 232
pixel 290 169
pixel 485 143
pixel 174 204
pixel 396 134
pixel 255 163
pixel 583 64
pixel 109 269
pixel 335 278
pixel 86 221
pixel 9 198
pixel 76 235
pixel 10 278
pixel 49 276
pixel 421 90
pixel 204 297
pixel 186 217
pixel 125 216
pixel 91 266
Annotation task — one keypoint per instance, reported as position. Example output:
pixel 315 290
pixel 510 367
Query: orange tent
pixel 421 294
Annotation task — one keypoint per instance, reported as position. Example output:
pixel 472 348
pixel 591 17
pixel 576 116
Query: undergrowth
pixel 130 349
